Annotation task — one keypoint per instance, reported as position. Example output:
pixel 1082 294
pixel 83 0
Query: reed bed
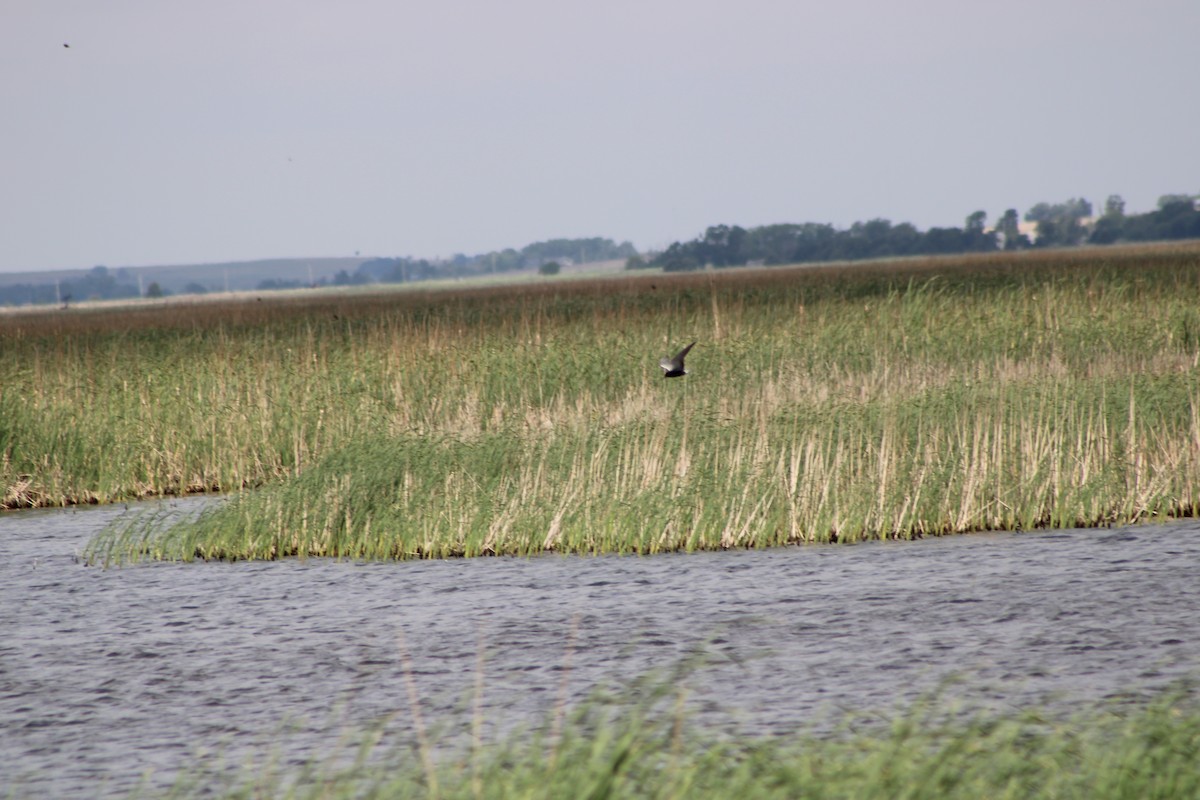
pixel 824 404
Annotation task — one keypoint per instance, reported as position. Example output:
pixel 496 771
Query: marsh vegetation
pixel 895 399
pixel 653 750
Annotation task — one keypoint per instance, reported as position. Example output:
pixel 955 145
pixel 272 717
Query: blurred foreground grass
pixel 654 750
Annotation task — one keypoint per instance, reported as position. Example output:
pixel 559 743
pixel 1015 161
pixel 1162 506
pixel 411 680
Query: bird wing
pixel 679 356
pixel 675 363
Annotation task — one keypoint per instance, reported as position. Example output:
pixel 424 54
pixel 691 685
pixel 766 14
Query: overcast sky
pixel 185 132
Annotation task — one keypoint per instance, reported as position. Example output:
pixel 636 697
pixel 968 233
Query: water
pixel 107 676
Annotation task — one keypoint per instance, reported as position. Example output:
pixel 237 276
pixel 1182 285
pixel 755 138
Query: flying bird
pixel 673 367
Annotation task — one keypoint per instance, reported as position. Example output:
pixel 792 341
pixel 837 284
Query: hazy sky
pixel 183 132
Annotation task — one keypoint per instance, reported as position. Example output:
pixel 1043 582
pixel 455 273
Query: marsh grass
pixel 823 404
pixel 652 748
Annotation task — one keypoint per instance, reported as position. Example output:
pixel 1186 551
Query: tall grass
pixel 823 404
pixel 654 750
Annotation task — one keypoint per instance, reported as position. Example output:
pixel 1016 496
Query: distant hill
pixel 232 276
pixel 244 275
pixel 117 283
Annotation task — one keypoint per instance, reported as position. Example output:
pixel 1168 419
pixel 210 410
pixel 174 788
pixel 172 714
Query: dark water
pixel 109 675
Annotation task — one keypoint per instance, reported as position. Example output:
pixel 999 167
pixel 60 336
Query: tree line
pixel 101 283
pixel 533 256
pixel 1056 225
pixel 539 255
pixel 1064 224
pixel 98 282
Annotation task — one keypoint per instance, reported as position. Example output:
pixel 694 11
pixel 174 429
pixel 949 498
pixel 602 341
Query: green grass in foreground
pixel 1147 752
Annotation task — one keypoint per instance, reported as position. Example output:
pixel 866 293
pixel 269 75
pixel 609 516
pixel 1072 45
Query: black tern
pixel 674 366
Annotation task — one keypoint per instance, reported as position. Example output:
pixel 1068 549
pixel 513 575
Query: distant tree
pixel 1106 230
pixel 579 251
pixel 1111 225
pixel 1175 199
pixel 96 284
pixel 976 237
pixel 1039 213
pixel 679 258
pixel 1009 230
pixel 943 240
pixel 870 239
pixel 1079 208
pixel 1060 224
pixel 722 246
pixel 276 284
pixel 1177 220
pixel 504 260
pixel 816 242
pixel 396 270
pixel 550 268
pixel 636 262
pixel 19 294
pixel 1114 206
pixel 1075 207
pixel 154 290
pixel 99 283
pixel 904 239
pixel 1048 233
pixel 381 269
pixel 774 244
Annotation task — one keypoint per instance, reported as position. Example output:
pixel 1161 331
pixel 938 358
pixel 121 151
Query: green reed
pixel 946 461
pixel 653 749
pixel 887 400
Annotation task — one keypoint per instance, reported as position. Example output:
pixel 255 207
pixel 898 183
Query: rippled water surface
pixel 109 675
